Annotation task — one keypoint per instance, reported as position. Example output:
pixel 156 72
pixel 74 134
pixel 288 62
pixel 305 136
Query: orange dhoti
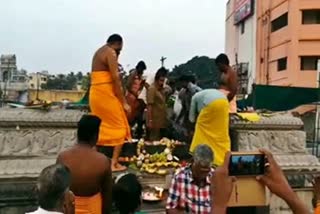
pixel 88 205
pixel 114 128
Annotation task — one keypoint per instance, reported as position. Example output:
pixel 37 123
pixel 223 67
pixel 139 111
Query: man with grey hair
pixel 190 186
pixel 53 191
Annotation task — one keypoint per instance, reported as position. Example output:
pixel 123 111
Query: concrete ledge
pixel 16 118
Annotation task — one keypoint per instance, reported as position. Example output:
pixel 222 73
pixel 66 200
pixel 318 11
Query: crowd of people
pixel 119 105
pixel 81 181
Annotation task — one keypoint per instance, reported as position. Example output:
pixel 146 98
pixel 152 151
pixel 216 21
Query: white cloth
pixel 42 211
pixel 177 105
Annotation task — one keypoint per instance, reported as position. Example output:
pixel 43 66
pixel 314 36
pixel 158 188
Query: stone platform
pixel 30 140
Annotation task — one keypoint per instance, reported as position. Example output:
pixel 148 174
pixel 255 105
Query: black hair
pixel 88 129
pixel 141 66
pixel 53 183
pixel 222 59
pixel 126 194
pixel 114 38
pixel 162 72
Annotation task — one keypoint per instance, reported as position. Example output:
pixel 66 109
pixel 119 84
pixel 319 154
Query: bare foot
pixel 116 167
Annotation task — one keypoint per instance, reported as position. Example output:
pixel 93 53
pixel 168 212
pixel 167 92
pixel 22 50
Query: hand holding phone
pixel 247 164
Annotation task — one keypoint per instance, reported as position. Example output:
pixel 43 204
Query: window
pixel 279 22
pixel 310 17
pixel 282 64
pixel 309 62
pixel 243 27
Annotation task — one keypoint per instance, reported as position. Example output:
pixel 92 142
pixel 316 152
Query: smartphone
pixel 247 164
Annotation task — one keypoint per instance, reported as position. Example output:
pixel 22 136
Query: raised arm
pixel 193 109
pixel 130 80
pixel 277 183
pixel 232 83
pixel 150 101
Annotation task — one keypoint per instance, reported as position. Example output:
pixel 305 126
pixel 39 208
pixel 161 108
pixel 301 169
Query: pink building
pixel 275 42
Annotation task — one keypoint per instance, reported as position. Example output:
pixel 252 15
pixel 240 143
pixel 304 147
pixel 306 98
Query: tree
pixel 203 67
pixel 61 82
pixel 79 76
pixel 85 82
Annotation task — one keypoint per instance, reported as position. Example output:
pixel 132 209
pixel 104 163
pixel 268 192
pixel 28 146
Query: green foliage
pixel 85 82
pixel 203 67
pixel 66 82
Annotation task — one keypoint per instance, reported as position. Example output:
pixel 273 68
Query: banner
pixel 243 9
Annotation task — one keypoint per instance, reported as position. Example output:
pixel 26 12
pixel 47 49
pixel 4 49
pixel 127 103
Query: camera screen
pixel 241 165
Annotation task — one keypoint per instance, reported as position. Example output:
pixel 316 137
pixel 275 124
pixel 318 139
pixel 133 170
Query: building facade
pixel 274 42
pixel 38 79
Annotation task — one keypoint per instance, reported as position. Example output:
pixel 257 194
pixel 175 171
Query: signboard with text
pixel 243 10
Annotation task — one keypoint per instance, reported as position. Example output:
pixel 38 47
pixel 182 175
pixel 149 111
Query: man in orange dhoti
pixel 107 99
pixel 91 179
pixel 228 81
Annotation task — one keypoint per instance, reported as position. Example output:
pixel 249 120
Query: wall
pixel 292 41
pixel 55 95
pixel 244 45
pixel 36 78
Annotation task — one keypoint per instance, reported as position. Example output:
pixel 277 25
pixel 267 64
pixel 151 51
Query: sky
pixel 62 35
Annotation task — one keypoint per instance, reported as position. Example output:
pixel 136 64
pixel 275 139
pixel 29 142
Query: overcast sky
pixel 62 35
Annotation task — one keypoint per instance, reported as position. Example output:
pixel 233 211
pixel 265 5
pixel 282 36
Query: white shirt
pixel 42 211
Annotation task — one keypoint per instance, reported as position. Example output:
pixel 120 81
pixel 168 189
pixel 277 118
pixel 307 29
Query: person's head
pixel 115 42
pixel 161 76
pixel 126 194
pixel 186 79
pixel 141 67
pixel 88 130
pixel 222 60
pixel 202 161
pixel 53 188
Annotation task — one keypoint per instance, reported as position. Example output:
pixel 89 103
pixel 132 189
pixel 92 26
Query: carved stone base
pixel 17 196
pixel 278 142
pixel 277 205
pixel 29 142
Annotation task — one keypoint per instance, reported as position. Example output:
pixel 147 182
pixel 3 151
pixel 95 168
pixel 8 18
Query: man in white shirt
pixel 53 191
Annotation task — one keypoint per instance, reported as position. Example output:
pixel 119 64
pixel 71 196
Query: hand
pixel 222 185
pixel 127 108
pixel 316 190
pixel 274 178
pixel 69 203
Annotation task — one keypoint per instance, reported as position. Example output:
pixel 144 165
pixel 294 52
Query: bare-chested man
pixel 228 81
pixel 107 99
pixel 90 170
